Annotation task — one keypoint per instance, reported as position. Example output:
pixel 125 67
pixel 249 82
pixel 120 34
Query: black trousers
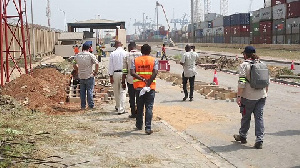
pixel 192 83
pixel 132 98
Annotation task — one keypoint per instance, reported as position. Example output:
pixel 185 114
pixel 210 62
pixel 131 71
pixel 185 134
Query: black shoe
pixel 184 99
pixel 258 145
pixel 239 138
pixel 191 99
pixel 132 116
pixel 148 132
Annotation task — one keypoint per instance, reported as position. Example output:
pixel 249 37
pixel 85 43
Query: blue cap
pixel 85 46
pixel 249 49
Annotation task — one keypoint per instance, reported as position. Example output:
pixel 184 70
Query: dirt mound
pixel 42 90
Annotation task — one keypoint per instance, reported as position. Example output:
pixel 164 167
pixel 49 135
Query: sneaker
pixel 119 113
pixel 191 99
pixel 184 99
pixel 239 138
pixel 148 132
pixel 258 145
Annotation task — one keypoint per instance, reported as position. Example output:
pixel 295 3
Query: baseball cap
pixel 249 49
pixel 85 46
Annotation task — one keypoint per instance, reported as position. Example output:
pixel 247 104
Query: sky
pixel 123 10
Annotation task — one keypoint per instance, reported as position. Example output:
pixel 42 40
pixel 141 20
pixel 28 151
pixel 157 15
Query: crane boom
pixel 158 4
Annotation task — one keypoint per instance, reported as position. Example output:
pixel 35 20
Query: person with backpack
pixel 251 96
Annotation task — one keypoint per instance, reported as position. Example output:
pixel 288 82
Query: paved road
pixel 282 136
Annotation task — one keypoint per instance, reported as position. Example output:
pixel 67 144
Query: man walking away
pixel 133 53
pixel 115 72
pixel 188 61
pixel 144 70
pixel 83 64
pixel 163 50
pixel 251 99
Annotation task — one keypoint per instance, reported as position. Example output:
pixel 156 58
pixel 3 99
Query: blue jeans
pixel 146 100
pixel 87 86
pixel 247 108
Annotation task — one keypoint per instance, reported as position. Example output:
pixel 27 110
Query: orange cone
pixel 215 81
pixel 293 65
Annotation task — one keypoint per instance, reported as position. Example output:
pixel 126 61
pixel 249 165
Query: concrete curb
pixel 210 154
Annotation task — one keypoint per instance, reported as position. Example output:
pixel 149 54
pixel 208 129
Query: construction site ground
pixel 186 134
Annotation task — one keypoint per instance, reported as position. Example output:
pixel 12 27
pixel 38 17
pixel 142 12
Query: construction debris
pixel 220 63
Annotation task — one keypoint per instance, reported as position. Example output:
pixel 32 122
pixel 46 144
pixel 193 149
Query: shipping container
pixel 279 39
pixel 292 25
pixel 218 21
pixel 255 29
pixel 219 39
pixel 210 17
pixel 266 39
pixel 240 30
pixel 293 9
pixel 255 16
pixel 293 39
pixel 206 39
pixel 227 31
pixel 267 3
pixel 227 39
pixel 265 14
pixel 218 30
pixel 289 1
pixel 226 21
pixel 279 27
pixel 206 25
pixel 256 40
pixel 207 32
pixel 265 28
pixel 199 33
pixel 240 19
pixel 279 11
pixel 277 2
pixel 240 40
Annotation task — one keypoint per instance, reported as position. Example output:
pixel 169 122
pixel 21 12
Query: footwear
pixel 184 99
pixel 239 138
pixel 148 132
pixel 119 113
pixel 138 128
pixel 258 145
pixel 132 116
pixel 116 108
pixel 191 99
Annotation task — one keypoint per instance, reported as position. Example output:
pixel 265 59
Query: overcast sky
pixel 123 10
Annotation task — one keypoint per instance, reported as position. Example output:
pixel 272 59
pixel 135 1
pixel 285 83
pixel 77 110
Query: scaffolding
pixel 15 39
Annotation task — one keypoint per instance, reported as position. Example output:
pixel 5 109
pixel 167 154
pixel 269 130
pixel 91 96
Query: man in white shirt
pixel 115 73
pixel 188 61
pixel 83 64
pixel 133 53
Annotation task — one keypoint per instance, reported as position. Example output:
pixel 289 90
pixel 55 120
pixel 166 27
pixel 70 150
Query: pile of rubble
pixel 42 90
pixel 205 89
pixel 9 105
pixel 220 63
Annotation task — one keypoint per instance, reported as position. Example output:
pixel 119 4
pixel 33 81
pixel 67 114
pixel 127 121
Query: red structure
pixel 15 42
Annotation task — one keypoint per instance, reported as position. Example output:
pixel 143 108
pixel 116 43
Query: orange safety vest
pixel 144 67
pixel 76 50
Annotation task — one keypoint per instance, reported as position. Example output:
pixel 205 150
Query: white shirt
pixel 116 60
pixel 85 61
pixel 189 64
pixel 127 63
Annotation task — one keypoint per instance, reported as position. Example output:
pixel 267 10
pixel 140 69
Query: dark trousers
pixel 132 98
pixel 192 83
pixel 147 101
pixel 75 83
pixel 164 55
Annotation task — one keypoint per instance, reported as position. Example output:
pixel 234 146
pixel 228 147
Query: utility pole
pixel 32 32
pixel 192 20
pixel 48 13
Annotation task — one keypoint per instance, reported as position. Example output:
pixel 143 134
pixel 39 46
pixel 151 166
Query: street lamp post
pixel 65 19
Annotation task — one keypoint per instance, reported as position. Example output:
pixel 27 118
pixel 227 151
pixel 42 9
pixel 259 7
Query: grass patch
pixel 177 56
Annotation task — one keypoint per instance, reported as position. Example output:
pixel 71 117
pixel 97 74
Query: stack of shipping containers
pixel 240 28
pixel 227 33
pixel 279 19
pixel 218 30
pixel 254 26
pixel 265 25
pixel 292 22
